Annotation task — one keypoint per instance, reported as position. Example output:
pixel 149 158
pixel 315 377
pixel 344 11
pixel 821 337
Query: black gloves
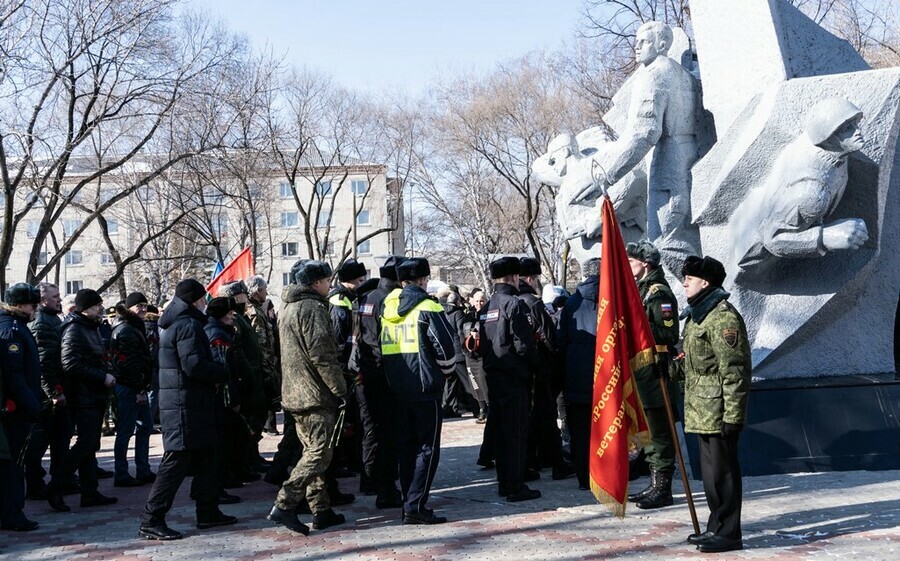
pixel 731 430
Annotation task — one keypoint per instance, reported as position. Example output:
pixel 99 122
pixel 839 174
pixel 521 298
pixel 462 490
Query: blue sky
pixel 375 45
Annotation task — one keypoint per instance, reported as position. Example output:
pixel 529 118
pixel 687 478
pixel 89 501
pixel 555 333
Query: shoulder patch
pixel 731 337
pixel 491 316
pixel 13 348
pixel 653 289
pixel 668 322
pixel 367 309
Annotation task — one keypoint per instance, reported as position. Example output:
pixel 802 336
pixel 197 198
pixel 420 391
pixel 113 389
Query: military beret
pixel 190 290
pixel 529 266
pixel 219 307
pixel 389 269
pixel 232 289
pixel 350 270
pixel 706 268
pixel 643 251
pixel 413 268
pixel 87 298
pixel 308 271
pixel 504 267
pixel 22 293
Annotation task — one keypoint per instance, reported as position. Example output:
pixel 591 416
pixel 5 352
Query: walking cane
pixel 338 429
pixel 684 477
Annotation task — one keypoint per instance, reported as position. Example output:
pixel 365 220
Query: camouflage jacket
pixel 662 312
pixel 312 377
pixel 259 320
pixel 716 365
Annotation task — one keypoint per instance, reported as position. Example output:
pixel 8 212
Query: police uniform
pixel 661 308
pixel 510 359
pixel 417 352
pixel 717 370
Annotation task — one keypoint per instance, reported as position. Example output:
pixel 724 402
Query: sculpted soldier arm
pixel 728 337
pixel 644 127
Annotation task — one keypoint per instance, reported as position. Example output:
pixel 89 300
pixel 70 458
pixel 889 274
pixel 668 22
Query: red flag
pixel 624 344
pixel 240 268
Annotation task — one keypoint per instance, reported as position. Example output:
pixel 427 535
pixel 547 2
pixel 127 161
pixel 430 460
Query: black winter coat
pixel 187 379
pixel 508 348
pixel 84 364
pixel 128 345
pixel 221 344
pixel 368 345
pixel 456 315
pixel 21 367
pixel 46 328
pixel 578 339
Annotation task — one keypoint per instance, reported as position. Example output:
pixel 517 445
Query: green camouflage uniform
pixel 259 321
pixel 311 390
pixel 662 312
pixel 716 366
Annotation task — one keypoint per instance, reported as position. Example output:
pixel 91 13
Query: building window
pixel 289 220
pixel 364 248
pixel 75 257
pixel 285 191
pixel 112 226
pixel 31 228
pixel 324 219
pixel 107 259
pixel 69 227
pixel 42 259
pixel 285 279
pixel 290 249
pixel 323 188
pixel 220 225
pixel 359 187
pixel 74 286
pixel 362 219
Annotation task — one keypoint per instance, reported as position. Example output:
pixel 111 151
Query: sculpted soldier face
pixel 848 137
pixel 646 48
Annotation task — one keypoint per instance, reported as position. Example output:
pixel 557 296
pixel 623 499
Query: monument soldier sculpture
pixel 662 312
pixel 717 383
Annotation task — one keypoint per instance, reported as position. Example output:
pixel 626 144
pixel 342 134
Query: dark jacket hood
pixel 179 308
pixel 410 297
pixel 525 288
pixel 589 288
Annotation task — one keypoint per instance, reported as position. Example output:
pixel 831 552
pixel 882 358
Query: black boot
pixel 661 494
pixel 327 519
pixel 635 497
pixel 288 519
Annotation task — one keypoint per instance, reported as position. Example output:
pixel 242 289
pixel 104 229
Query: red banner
pixel 624 344
pixel 240 268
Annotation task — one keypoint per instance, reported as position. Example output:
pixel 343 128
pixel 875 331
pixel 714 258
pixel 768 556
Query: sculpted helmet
pixel 827 116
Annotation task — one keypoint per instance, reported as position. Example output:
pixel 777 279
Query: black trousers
pixel 458 393
pixel 419 448
pixel 379 446
pixel 488 451
pixel 509 408
pixel 83 454
pixel 544 439
pixel 578 418
pixel 54 431
pixel 722 484
pixel 172 471
pixel 12 474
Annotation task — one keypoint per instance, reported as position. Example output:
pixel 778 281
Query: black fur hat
pixel 308 271
pixel 707 268
pixel 350 270
pixel 529 266
pixel 413 268
pixel 504 267
pixel 389 269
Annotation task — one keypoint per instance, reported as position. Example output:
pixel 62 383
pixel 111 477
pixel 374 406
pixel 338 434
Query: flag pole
pixel 684 477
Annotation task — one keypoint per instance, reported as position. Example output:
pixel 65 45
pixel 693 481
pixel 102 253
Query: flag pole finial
pixel 598 175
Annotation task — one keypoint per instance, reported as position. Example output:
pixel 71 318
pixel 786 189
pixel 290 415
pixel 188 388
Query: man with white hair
pixel 258 315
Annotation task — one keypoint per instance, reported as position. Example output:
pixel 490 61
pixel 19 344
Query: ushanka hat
pixel 707 268
pixel 22 293
pixel 504 267
pixel 308 271
pixel 643 251
pixel 529 266
pixel 413 268
pixel 351 270
pixel 389 269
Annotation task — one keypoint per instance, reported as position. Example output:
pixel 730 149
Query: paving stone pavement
pixel 838 515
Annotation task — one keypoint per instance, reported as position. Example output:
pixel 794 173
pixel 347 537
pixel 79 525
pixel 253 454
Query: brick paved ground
pixel 849 515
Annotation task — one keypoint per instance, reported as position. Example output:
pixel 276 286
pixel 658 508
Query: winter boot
pixel 635 497
pixel 661 495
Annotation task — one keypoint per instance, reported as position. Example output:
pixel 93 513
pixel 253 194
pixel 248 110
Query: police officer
pixel 661 308
pixel 418 352
pixel 717 382
pixel 376 401
pixel 510 359
pixel 21 406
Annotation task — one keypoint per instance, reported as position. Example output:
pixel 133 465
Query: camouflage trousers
pixel 315 430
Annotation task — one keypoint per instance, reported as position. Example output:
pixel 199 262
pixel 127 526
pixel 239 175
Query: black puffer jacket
pixel 187 379
pixel 83 362
pixel 21 366
pixel 46 328
pixel 128 344
pixel 578 339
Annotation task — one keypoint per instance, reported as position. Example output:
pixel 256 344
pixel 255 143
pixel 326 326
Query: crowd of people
pixel 365 371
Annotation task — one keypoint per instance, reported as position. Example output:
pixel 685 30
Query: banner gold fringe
pixel 606 499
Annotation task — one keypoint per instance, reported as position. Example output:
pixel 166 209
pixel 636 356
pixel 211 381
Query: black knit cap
pixel 706 268
pixel 86 298
pixel 308 271
pixel 389 269
pixel 219 307
pixel 529 266
pixel 190 290
pixel 413 268
pixel 22 293
pixel 351 270
pixel 643 251
pixel 134 299
pixel 504 267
